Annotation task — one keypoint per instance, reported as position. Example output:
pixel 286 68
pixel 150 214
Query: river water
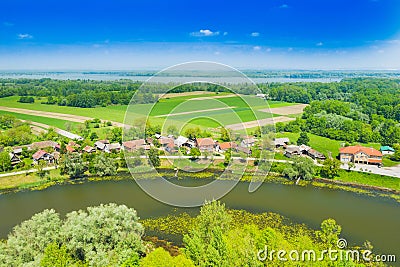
pixel 376 219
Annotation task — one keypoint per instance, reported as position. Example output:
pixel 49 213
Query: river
pixel 376 219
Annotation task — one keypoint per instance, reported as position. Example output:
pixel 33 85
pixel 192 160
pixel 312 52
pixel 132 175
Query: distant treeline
pixel 370 96
pixel 89 93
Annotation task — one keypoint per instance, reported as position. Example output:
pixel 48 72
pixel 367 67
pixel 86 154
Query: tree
pixel 106 235
pixel 154 158
pixel 330 168
pixel 303 139
pixel 5 161
pixel 31 237
pixel 40 171
pixel 93 136
pixel 225 135
pixel 160 258
pixel 301 168
pixel 227 157
pixel 195 153
pixel 205 244
pixel 73 165
pixel 103 166
pixel 351 165
pixel 172 130
pixel 56 256
pixel 330 232
pixel 193 133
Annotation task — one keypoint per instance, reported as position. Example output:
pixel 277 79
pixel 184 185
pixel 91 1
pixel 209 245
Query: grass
pixel 389 163
pixel 369 179
pixel 164 106
pixel 49 121
pixel 26 180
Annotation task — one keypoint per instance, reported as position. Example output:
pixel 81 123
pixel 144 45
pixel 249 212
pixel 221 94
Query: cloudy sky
pixel 137 34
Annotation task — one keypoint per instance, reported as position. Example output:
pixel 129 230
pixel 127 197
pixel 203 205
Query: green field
pixel 369 179
pixel 48 121
pixel 242 111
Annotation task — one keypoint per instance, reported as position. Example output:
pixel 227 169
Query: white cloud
pixel 319 44
pixel 290 49
pixel 225 33
pixel 257 48
pixel 268 50
pixel 205 32
pixel 255 34
pixel 284 6
pixel 24 36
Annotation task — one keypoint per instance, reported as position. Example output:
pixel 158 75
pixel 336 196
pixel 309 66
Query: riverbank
pixel 32 182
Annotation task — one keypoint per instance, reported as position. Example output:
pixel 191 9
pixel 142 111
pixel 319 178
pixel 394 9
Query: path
pixel 288 110
pixel 25 172
pixel 262 122
pixel 194 111
pixel 54 115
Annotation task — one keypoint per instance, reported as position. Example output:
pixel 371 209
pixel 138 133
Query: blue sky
pixel 124 34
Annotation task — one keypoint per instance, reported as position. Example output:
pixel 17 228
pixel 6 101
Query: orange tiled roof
pixel 356 149
pixel 205 141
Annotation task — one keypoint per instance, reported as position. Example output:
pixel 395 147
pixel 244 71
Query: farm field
pixel 49 121
pixel 237 109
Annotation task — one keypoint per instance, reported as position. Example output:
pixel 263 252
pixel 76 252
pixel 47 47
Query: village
pixel 50 151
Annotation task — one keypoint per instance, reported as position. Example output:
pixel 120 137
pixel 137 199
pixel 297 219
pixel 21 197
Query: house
pixel 114 147
pixel 43 144
pixel 183 141
pixel 314 154
pixel 42 155
pixel 14 159
pixel 248 141
pixel 70 149
pixel 292 150
pixel 281 142
pixel 304 149
pixel 387 150
pixel 89 149
pixel 167 144
pixel 133 145
pixel 222 147
pixel 245 150
pixel 69 135
pixel 263 96
pixel 17 151
pixel 171 148
pixel 205 144
pixel 360 154
pixel 101 144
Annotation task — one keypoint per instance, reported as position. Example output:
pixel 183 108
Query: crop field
pixel 205 110
pixel 48 121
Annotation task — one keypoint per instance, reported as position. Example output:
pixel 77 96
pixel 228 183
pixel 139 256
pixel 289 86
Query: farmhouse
pixel 14 159
pixel 360 154
pixel 314 154
pixel 183 141
pixel 42 155
pixel 205 144
pixel 101 144
pixel 281 142
pixel 89 149
pixel 387 150
pixel 292 151
pixel 222 147
pixel 43 144
pixel 248 141
pixel 112 147
pixel 134 145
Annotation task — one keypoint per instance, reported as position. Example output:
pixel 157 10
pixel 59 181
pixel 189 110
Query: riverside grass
pixel 56 178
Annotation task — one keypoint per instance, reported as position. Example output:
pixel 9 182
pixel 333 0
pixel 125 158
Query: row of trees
pixel 110 235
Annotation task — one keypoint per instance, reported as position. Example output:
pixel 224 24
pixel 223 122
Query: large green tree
pixel 72 165
pixel 300 168
pixel 103 165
